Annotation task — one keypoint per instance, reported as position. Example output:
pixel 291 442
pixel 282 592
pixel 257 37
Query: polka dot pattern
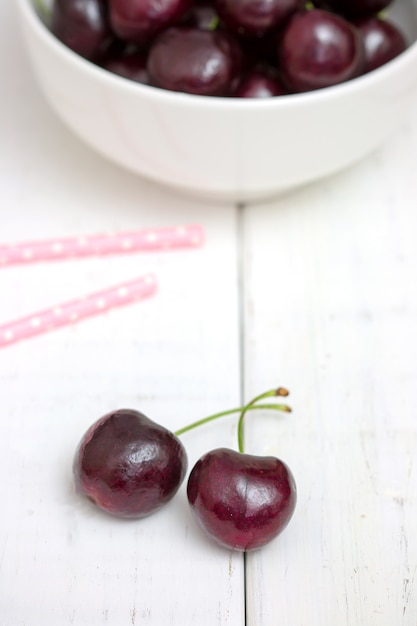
pixel 77 310
pixel 92 245
pixel 99 245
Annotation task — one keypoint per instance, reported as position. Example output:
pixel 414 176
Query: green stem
pixel 42 8
pixel 253 405
pixel 210 418
pixel 214 24
pixel 249 407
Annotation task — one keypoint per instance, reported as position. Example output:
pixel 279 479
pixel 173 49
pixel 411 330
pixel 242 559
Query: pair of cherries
pixel 130 467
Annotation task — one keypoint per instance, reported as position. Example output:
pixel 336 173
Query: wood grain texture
pixel 331 312
pixel 176 360
pixel 175 357
pixel 327 293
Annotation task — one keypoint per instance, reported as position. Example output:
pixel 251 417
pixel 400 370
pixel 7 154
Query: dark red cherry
pixel 319 49
pixel 353 8
pixel 129 465
pixel 138 21
pixel 131 65
pixel 195 61
pixel 82 25
pixel 261 82
pixel 382 40
pixel 255 17
pixel 240 500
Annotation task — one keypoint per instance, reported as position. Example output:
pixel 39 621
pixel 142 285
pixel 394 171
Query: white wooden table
pixel 316 291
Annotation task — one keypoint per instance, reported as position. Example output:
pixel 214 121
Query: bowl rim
pixel 366 81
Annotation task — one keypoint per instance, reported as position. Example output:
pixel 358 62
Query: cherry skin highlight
pixel 240 500
pixel 382 40
pixel 138 21
pixel 83 26
pixel 195 61
pixel 128 465
pixel 319 49
pixel 256 17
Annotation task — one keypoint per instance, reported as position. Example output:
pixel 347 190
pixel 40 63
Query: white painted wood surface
pixel 325 282
pixel 331 312
pixel 175 357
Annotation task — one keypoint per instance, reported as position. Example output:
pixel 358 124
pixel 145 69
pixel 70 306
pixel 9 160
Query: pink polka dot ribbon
pixel 188 236
pixel 76 310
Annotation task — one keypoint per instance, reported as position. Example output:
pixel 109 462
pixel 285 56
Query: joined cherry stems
pixel 250 406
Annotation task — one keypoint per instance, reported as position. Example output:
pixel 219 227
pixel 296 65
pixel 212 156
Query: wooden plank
pixel 175 357
pixel 331 305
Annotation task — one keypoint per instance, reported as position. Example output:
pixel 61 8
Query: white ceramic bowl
pixel 234 149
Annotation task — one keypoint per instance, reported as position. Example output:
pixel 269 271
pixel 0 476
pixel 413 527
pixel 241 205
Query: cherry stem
pixel 249 407
pixel 42 8
pixel 253 404
pixel 214 23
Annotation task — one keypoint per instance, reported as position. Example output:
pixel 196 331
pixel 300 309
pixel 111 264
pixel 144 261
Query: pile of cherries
pixel 130 466
pixel 235 48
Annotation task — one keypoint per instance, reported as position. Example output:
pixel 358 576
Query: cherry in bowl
pixel 319 49
pixel 224 148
